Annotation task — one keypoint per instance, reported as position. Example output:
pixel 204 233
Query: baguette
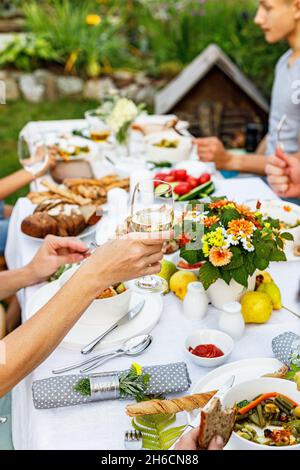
pixel 175 405
pixel 215 421
pixel 81 201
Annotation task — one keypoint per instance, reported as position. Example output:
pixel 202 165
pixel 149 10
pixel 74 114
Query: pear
pixel 273 291
pixel 179 283
pixel 263 277
pixel 256 307
pixel 166 272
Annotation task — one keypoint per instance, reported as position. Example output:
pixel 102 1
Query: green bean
pixel 262 421
pixel 245 435
pixel 254 418
pixel 276 423
pixel 282 406
pixel 286 401
pixel 241 417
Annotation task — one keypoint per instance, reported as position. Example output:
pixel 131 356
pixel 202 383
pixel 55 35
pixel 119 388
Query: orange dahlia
pixel 219 204
pixel 220 256
pixel 209 221
pixel 240 227
pixel 245 211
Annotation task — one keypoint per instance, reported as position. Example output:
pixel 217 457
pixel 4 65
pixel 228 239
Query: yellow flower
pixel 93 20
pixel 267 225
pixel 220 256
pixel 137 367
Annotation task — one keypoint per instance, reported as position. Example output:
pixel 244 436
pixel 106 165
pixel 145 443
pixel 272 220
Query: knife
pixel 194 422
pixel 127 317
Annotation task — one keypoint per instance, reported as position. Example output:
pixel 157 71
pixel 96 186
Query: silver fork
pixel 133 440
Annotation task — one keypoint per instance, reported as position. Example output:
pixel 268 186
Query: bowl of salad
pixel 267 414
pixel 168 147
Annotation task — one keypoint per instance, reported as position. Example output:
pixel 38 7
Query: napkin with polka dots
pixel 58 391
pixel 286 347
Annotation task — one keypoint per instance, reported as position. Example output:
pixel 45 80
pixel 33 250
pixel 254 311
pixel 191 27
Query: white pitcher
pixel 195 303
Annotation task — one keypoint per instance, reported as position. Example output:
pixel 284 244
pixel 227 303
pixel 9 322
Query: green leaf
pixel 249 263
pixel 225 275
pixel 208 274
pixel 191 256
pixel 241 276
pixel 156 432
pixel 287 236
pixel 236 260
pixel 228 215
pixel 278 255
pixel 261 263
pixel 263 249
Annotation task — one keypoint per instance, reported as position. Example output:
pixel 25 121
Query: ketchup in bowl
pixel 206 350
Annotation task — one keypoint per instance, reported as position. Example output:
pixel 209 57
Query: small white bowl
pixel 171 155
pixel 113 307
pixel 216 337
pixel 248 391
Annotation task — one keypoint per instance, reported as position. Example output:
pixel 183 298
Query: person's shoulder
pixel 283 60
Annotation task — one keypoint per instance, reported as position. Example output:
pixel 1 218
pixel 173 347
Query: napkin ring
pixel 104 387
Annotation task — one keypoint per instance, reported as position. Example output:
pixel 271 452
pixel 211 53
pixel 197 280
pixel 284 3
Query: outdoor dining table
pixel 102 425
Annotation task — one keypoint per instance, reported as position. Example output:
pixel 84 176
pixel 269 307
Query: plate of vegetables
pixel 185 187
pixel 267 414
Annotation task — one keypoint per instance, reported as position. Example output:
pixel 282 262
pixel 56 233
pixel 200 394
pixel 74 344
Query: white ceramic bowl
pixel 218 338
pixel 172 155
pixel 114 307
pixel 251 389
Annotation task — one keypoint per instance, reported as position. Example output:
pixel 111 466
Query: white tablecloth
pixel 102 425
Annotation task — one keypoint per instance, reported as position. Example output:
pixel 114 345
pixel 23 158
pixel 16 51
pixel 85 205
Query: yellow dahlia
pixel 220 256
pixel 240 227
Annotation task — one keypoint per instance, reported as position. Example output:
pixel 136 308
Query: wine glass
pixel 152 211
pixel 33 152
pixel 99 130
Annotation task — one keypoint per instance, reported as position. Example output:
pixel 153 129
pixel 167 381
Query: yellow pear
pixel 166 272
pixel 273 291
pixel 179 283
pixel 256 307
pixel 263 277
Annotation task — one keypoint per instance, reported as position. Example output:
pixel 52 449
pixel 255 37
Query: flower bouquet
pixel 119 113
pixel 236 242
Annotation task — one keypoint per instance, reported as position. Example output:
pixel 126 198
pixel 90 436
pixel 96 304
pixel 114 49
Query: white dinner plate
pixel 287 212
pixel 244 370
pixel 82 334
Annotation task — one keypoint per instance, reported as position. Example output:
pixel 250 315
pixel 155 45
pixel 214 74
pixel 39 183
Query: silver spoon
pixel 279 129
pixel 132 347
pixel 139 341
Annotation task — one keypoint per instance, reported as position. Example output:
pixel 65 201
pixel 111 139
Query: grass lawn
pixel 13 117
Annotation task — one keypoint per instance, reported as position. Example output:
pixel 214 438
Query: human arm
pixel 116 261
pixel 211 149
pixel 55 252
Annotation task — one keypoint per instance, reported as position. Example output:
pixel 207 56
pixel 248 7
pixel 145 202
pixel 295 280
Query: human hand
pixel 211 149
pixel 189 441
pixel 124 259
pixel 55 252
pixel 50 162
pixel 283 173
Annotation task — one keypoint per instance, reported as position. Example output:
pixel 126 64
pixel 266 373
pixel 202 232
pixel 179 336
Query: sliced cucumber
pixel 206 188
pixel 162 189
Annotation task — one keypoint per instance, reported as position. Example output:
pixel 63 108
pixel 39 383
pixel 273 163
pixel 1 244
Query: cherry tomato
pixel 193 182
pixel 161 176
pixel 204 178
pixel 180 175
pixel 182 188
pixel 182 240
pixel 169 179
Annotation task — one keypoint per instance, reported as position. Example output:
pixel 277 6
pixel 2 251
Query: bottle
pixel 195 303
pixel 231 320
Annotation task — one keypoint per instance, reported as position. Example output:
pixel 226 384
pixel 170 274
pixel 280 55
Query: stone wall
pixel 44 85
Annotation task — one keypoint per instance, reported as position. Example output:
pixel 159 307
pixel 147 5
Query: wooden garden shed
pixel 215 97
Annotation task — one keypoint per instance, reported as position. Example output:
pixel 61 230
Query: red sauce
pixel 206 350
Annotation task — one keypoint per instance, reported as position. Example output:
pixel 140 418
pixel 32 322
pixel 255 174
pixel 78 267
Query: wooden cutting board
pixel 71 169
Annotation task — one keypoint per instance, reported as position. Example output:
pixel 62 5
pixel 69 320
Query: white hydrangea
pixel 124 112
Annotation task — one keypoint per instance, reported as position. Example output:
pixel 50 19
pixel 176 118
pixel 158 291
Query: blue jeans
pixel 5 429
pixel 3 228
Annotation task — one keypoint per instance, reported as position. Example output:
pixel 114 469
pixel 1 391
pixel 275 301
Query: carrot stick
pixel 256 402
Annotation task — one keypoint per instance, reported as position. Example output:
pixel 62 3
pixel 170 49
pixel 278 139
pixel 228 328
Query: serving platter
pixel 82 334
pixel 244 370
pixel 87 232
